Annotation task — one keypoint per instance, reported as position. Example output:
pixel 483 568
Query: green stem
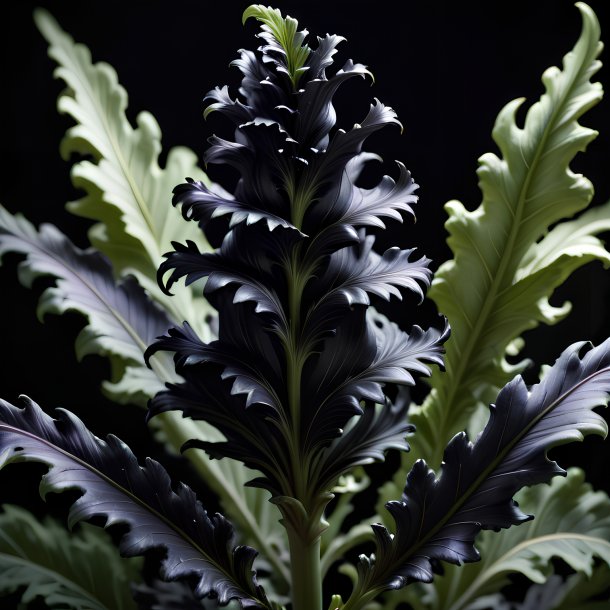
pixel 294 372
pixel 306 572
pixel 362 600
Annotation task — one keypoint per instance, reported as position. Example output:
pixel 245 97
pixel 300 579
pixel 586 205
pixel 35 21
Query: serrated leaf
pixel 440 516
pixel 501 278
pixel 255 518
pixel 365 440
pixel 572 522
pixel 81 571
pixel 354 271
pixel 285 47
pixel 199 203
pixel 122 321
pixel 316 115
pixel 114 486
pixel 128 193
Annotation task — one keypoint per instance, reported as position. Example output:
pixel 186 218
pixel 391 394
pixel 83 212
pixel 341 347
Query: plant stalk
pixel 306 571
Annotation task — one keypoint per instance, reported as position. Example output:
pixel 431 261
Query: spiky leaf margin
pixel 440 516
pixel 500 279
pixel 127 192
pixel 572 523
pixel 122 322
pixel 115 487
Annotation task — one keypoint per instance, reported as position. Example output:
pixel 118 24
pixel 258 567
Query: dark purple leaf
pixel 355 271
pixel 249 375
pixel 440 516
pixel 122 319
pixel 366 439
pixel 199 203
pixel 114 486
pixel 316 115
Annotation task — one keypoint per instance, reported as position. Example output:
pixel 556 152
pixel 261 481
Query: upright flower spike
pixel 301 358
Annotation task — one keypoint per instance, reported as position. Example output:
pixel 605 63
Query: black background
pixel 446 67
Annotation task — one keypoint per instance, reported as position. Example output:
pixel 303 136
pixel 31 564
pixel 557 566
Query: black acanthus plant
pixel 301 355
pixel 306 381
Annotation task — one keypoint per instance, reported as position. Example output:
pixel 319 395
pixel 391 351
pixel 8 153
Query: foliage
pixel 284 372
pixel 82 571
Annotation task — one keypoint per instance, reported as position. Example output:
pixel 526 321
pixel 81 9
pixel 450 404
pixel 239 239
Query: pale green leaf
pixel 336 543
pixel 136 384
pixel 505 265
pixel 577 592
pixel 126 189
pixel 81 571
pixel 572 522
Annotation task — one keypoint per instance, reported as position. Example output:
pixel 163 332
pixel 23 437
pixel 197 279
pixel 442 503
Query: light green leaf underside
pixel 572 522
pixel 78 571
pixel 127 192
pixel 336 543
pixel 499 282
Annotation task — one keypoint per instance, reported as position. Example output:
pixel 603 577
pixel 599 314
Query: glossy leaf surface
pixel 572 522
pixel 114 486
pixel 440 516
pixel 122 320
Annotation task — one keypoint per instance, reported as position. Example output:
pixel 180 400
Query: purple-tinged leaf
pixel 258 86
pixel 366 207
pixel 249 272
pixel 357 270
pixel 122 320
pixel 365 439
pixel 201 204
pixel 316 115
pixel 356 361
pixel 345 207
pixel 234 110
pixel 440 516
pixel 117 488
pixel 322 57
pixel 251 437
pixel 329 167
pixel 250 375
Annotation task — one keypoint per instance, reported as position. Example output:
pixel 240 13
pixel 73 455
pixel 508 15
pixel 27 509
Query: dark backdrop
pixel 446 67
